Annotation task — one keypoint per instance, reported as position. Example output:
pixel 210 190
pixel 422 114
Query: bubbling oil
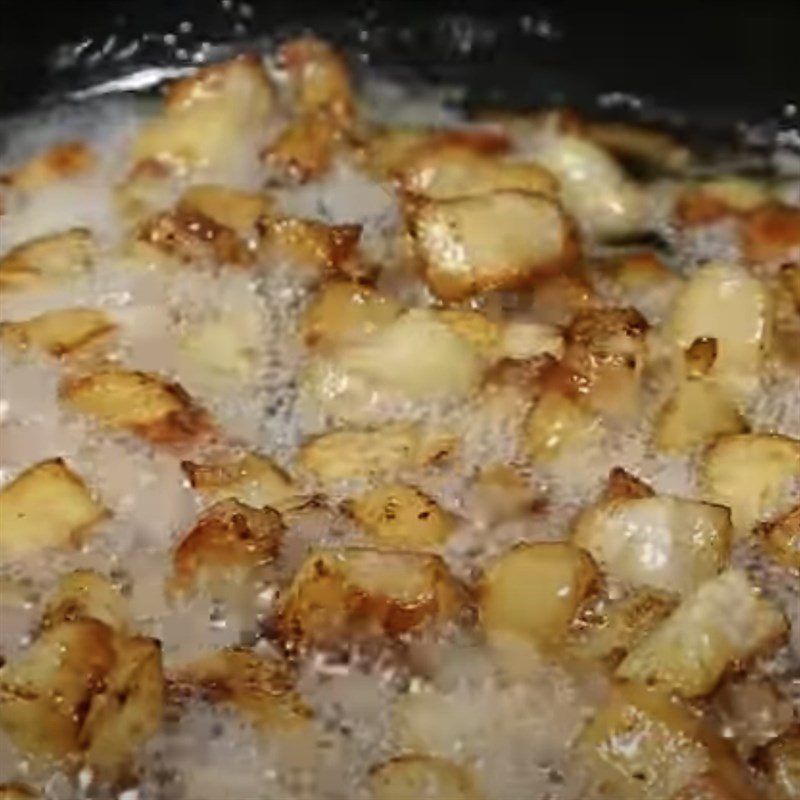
pixel 517 733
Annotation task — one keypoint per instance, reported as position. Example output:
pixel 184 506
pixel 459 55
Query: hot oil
pixel 517 730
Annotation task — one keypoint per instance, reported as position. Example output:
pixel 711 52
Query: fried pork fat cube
pixel 724 623
pixel 607 348
pixel 206 115
pixel 343 311
pixel 352 453
pixel 503 240
pixel 401 516
pixel 229 544
pixel 323 106
pixel 623 623
pixel 445 172
pixel 43 694
pixel 140 402
pixel 59 162
pixel 535 590
pixel 725 303
pixel 261 689
pixel 85 594
pixel 361 592
pixel 698 410
pixel 667 543
pixel 642 743
pixel 329 249
pixel 62 333
pixel 318 78
pixel 750 473
pixel 304 150
pixel 210 224
pixel 86 689
pixel 252 479
pixel 388 152
pixel 594 188
pixel 421 776
pixel 47 505
pixel 47 260
pixel 415 356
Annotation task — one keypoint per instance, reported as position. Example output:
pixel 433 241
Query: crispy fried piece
pixel 304 149
pixel 127 711
pixel 370 452
pixel 772 233
pixel 607 346
pixel 141 402
pixel 782 538
pixel 47 505
pixel 186 236
pixel 359 592
pixel 58 162
pixel 320 79
pixel 328 248
pixel 401 516
pixel 44 694
pixel 85 594
pixel 594 188
pixel 207 115
pixel 712 200
pixel 623 624
pixel 641 744
pixel 261 689
pixel 534 591
pixel 388 151
pixel 344 311
pixel 252 479
pixel 47 259
pixel 415 356
pixel 663 542
pixel 718 627
pixel 232 208
pixel 442 172
pixel 725 303
pixel 420 776
pixel 60 333
pixel 780 760
pixel 558 298
pixel 695 414
pixel 502 240
pixel 557 424
pixel 749 472
pixel 230 543
pixel 640 144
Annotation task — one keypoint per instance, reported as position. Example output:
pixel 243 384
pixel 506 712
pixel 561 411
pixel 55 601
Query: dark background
pixel 717 63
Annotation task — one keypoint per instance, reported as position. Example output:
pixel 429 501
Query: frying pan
pixel 709 67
